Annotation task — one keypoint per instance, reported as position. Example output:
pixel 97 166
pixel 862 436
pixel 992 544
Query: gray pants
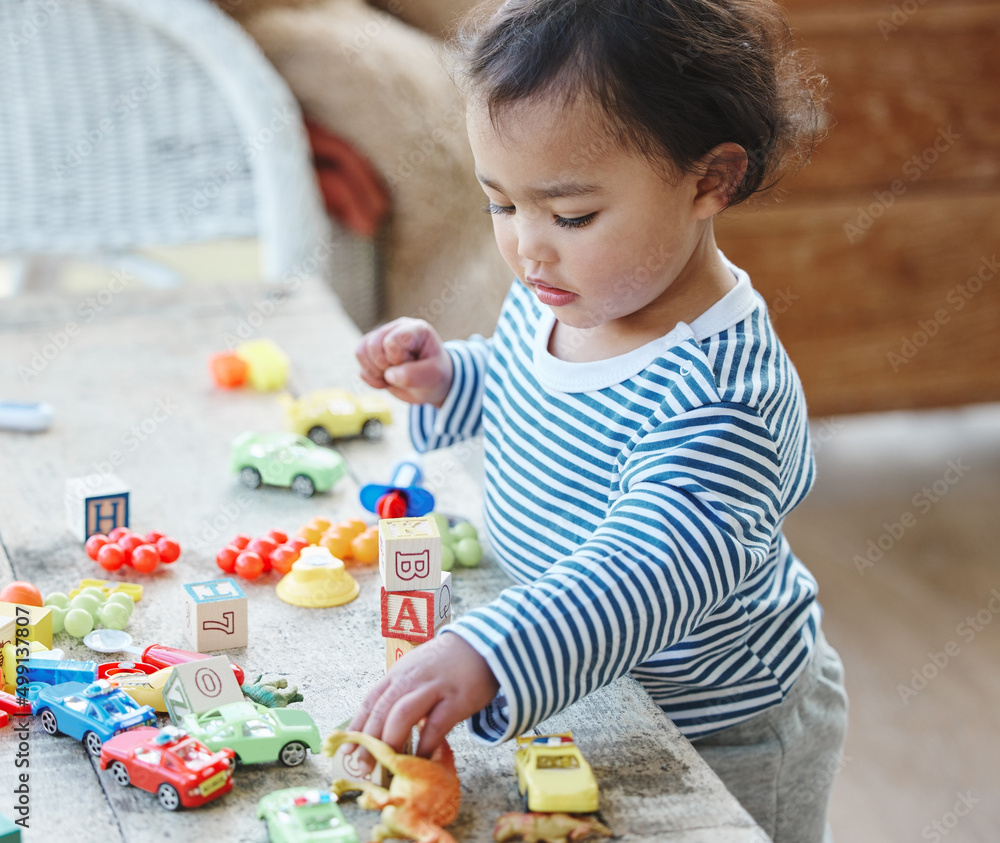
pixel 781 764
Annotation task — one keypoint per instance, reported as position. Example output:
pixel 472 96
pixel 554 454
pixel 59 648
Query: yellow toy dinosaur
pixel 422 797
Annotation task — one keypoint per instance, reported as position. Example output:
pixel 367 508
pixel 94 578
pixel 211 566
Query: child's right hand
pixel 406 357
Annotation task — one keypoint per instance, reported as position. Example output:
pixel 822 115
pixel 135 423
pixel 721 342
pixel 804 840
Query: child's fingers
pixel 409 710
pixel 405 340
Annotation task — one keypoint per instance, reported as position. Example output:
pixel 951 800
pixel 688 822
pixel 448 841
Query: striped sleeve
pixel 696 512
pixel 461 415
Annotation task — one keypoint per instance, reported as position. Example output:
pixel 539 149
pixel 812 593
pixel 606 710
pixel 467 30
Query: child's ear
pixel 722 171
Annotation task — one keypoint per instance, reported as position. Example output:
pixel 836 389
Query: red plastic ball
pixel 263 547
pixel 249 565
pixel 153 536
pixel 168 549
pixel 298 543
pixel 117 533
pixel 94 544
pixel 129 543
pixel 226 558
pixel 145 558
pixel 278 536
pixel 241 541
pixel 110 557
pixel 283 558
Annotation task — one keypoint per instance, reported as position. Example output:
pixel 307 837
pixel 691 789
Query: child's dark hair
pixel 675 78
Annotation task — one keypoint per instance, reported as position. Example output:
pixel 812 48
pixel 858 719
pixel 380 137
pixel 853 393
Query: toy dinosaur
pixel 423 796
pixel 273 693
pixel 547 828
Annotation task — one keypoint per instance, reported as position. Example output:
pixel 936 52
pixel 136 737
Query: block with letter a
pixel 416 615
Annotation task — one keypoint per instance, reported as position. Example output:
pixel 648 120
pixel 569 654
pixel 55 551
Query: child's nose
pixel 533 243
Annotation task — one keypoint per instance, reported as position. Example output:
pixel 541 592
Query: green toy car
pixel 304 815
pixel 256 734
pixel 286 459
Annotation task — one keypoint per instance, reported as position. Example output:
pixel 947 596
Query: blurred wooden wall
pixel 880 264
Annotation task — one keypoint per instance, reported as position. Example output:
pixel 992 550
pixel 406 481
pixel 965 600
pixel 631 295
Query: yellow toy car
pixel 553 776
pixel 328 414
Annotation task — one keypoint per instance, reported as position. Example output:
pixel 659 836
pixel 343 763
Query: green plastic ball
pixel 113 615
pixel 58 618
pixel 468 552
pixel 96 592
pixel 447 557
pixel 122 599
pixel 443 528
pixel 87 602
pixel 78 622
pixel 59 599
pixel 463 530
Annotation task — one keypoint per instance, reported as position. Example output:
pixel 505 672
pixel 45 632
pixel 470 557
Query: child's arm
pixel 699 507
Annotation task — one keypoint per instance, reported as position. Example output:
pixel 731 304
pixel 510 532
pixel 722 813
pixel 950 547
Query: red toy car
pixel 177 768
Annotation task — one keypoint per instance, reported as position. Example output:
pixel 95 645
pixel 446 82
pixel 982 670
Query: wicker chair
pixel 149 123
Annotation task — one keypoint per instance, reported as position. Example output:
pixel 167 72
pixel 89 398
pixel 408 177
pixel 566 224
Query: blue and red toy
pixel 404 497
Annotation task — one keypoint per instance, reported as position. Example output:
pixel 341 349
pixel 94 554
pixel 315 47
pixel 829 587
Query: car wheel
pixel 119 772
pixel 303 486
pixel 292 754
pixel 168 797
pixel 250 477
pixel 372 430
pixel 49 722
pixel 93 744
pixel 524 803
pixel 320 435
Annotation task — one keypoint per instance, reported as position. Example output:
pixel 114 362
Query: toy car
pixel 553 776
pixel 286 459
pixel 177 768
pixel 304 815
pixel 257 734
pixel 328 414
pixel 91 713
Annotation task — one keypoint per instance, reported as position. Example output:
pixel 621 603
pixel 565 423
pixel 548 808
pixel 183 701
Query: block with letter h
pixel 215 615
pixel 96 504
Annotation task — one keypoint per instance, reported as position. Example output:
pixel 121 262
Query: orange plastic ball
pixel 365 547
pixel 352 526
pixel 320 523
pixel 311 534
pixel 337 542
pixel 229 370
pixel 21 592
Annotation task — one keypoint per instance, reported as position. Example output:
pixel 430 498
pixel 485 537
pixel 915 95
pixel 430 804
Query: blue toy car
pixel 91 713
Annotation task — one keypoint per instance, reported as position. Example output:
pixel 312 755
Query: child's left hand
pixel 444 681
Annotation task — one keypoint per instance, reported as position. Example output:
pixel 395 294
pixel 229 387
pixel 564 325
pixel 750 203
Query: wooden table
pixel 126 372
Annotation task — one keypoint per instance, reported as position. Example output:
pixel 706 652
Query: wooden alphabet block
pixel 96 504
pixel 409 553
pixel 395 649
pixel 215 615
pixel 37 620
pixel 198 686
pixel 416 615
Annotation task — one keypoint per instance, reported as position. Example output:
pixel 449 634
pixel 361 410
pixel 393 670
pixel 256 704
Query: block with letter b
pixel 215 615
pixel 96 504
pixel 416 616
pixel 409 553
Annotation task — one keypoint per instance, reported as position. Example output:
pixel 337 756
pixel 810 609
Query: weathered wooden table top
pixel 126 371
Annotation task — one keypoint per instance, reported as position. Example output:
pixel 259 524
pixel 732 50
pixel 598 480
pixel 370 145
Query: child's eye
pixel 493 208
pixel 575 222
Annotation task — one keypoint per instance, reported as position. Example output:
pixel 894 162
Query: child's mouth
pixel 552 296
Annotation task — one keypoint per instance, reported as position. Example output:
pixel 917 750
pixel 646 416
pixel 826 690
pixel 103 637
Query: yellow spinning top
pixel 317 580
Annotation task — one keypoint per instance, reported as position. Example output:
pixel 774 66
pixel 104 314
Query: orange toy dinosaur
pixel 547 828
pixel 422 797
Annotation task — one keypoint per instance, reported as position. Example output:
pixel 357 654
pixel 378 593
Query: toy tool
pixel 404 497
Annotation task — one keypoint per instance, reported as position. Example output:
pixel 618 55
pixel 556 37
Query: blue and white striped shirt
pixel 640 502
